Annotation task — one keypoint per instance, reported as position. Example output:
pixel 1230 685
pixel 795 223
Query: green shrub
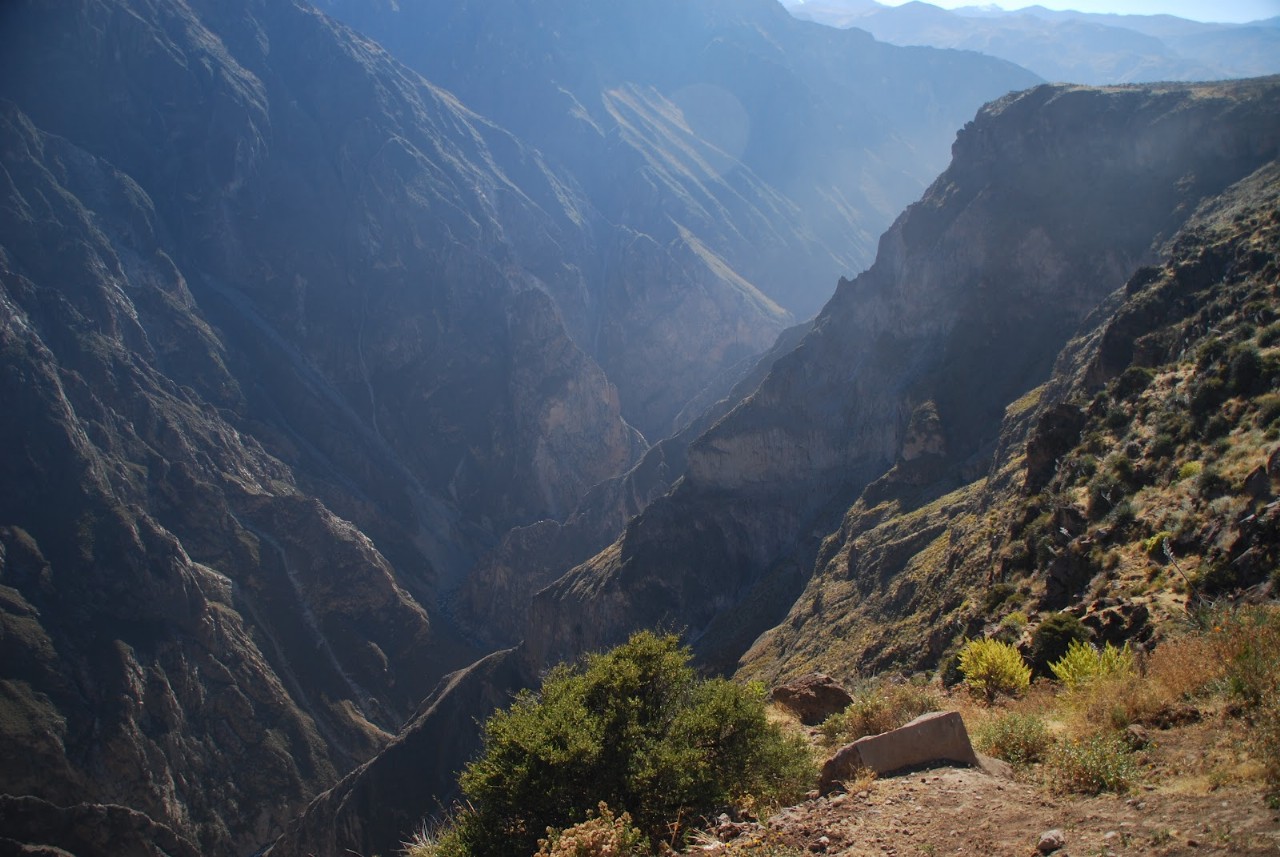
pixel 1154 545
pixel 997 595
pixel 1053 637
pixel 1244 371
pixel 1013 624
pixel 1019 739
pixel 1206 395
pixel 1269 335
pixel 1268 409
pixel 1132 381
pixel 1210 483
pixel 446 839
pixel 878 707
pixel 1190 469
pixel 634 728
pixel 1084 663
pixel 1210 353
pixel 1092 765
pixel 1216 577
pixel 1163 445
pixel 991 667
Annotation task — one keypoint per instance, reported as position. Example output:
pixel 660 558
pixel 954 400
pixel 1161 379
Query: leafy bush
pixel 991 667
pixel 1244 369
pixel 1092 765
pixel 1053 637
pixel 1012 625
pixel 1084 663
pixel 1163 445
pixel 1154 545
pixel 633 728
pixel 602 836
pixel 997 595
pixel 1206 395
pixel 1268 409
pixel 1019 739
pixel 1247 639
pixel 1190 469
pixel 879 707
pixel 1269 335
pixel 1133 380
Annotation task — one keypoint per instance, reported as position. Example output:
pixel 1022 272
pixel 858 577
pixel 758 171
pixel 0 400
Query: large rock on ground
pixel 936 737
pixel 813 697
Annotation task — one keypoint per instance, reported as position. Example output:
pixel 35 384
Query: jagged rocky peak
pixel 1053 197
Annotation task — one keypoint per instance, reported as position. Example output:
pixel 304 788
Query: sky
pixel 1198 10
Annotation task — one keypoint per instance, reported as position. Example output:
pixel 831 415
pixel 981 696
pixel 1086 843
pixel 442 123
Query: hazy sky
pixel 1199 10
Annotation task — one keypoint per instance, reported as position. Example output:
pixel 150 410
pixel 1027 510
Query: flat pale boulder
pixel 813 697
pixel 931 738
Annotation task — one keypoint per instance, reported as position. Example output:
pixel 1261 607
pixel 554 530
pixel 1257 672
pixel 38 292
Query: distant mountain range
pixel 1075 47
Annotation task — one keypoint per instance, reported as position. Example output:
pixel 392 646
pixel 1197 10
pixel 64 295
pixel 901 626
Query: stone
pixel 1051 841
pixel 938 737
pixel 813 697
pixel 1258 483
pixel 1136 737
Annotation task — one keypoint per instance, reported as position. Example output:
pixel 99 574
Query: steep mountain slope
pixel 719 130
pixel 1137 483
pixel 281 352
pixel 1052 198
pixel 1067 46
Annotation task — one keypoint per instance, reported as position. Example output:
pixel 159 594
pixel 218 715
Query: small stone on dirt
pixel 1051 841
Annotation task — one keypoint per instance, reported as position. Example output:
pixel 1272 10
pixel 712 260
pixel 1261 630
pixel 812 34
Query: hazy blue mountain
pixel 1068 46
pixel 721 130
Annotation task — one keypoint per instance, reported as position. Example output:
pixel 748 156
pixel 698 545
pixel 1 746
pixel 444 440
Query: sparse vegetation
pixel 601 835
pixel 879 706
pixel 1091 765
pixel 1020 739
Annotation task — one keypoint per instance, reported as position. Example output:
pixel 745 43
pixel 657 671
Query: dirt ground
pixel 1190 801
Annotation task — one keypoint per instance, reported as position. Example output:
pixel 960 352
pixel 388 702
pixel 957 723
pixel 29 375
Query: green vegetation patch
pixel 635 729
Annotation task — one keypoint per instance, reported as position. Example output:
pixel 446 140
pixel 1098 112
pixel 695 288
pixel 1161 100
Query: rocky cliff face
pixel 278 357
pixel 908 370
pixel 1095 501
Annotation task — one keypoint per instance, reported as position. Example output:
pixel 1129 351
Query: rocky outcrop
pixel 34 826
pixel 813 697
pixel 929 739
pixel 1086 502
pixel 493 604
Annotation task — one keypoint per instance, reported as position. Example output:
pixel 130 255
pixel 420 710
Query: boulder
pixel 813 697
pixel 930 738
